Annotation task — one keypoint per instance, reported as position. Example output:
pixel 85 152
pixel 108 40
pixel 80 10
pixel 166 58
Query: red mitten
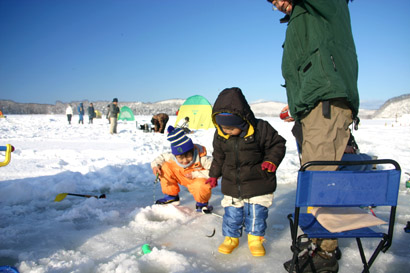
pixel 266 165
pixel 212 181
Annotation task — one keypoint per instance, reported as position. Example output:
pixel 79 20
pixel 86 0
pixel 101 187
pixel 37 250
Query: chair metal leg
pixel 362 255
pixel 295 263
pixel 376 252
pixel 368 264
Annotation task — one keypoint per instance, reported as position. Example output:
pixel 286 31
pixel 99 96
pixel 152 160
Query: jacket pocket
pixel 313 76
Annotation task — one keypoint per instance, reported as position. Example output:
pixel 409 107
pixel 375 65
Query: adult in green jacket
pixel 320 69
pixel 319 60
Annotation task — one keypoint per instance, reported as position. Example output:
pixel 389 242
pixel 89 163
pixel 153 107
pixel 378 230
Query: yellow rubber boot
pixel 229 244
pixel 255 245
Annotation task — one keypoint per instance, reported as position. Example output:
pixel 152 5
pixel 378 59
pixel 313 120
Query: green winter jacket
pixel 319 56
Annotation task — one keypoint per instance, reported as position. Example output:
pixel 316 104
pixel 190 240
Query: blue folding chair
pixel 344 189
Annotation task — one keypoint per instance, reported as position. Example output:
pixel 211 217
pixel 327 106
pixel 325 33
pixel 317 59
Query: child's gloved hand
pixel 266 165
pixel 157 170
pixel 212 181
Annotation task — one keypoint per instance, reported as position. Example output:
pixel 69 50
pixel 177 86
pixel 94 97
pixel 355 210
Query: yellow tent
pixel 97 114
pixel 199 111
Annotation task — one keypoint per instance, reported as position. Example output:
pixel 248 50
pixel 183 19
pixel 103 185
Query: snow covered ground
pixel 106 235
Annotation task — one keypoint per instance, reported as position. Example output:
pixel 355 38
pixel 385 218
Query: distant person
pixel 159 121
pixel 184 125
pixel 186 165
pixel 107 116
pixel 69 113
pixel 114 110
pixel 247 153
pixel 80 110
pixel 91 113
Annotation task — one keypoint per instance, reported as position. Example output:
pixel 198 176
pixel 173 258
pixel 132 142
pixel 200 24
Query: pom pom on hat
pixel 180 143
pixel 170 129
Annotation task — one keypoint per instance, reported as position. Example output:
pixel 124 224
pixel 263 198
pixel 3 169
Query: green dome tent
pixel 126 114
pixel 199 111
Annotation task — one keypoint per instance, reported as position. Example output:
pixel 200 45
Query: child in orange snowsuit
pixel 188 166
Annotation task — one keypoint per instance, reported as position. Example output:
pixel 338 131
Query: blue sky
pixel 146 50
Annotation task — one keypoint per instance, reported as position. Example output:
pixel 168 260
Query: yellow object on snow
pixel 199 111
pixel 7 159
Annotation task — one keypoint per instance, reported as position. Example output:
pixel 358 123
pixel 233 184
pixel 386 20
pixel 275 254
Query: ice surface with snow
pixel 106 235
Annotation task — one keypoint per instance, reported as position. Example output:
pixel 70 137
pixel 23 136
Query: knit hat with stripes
pixel 180 143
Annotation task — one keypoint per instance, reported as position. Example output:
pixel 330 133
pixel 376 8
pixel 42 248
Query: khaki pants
pixel 326 139
pixel 113 125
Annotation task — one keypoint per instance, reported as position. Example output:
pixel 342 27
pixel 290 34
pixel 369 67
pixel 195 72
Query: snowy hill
pixel 267 108
pixel 394 107
pixel 139 108
pixel 365 113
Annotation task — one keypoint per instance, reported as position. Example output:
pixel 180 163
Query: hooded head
pixel 232 101
pixel 180 143
pixel 231 124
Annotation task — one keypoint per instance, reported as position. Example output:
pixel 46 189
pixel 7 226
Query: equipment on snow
pixel 304 244
pixel 313 262
pixel 8 149
pixel 200 207
pixel 205 210
pixel 146 248
pixel 153 187
pixel 60 197
pixel 212 235
pixel 407 228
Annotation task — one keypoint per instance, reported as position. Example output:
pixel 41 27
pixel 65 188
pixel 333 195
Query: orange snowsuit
pixel 193 177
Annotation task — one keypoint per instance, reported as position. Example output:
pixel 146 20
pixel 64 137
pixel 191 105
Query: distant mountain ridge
pixel 168 106
pixel 393 108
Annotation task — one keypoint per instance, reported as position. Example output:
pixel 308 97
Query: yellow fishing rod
pixel 8 149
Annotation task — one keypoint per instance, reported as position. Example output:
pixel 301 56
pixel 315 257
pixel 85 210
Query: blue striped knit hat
pixel 180 143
